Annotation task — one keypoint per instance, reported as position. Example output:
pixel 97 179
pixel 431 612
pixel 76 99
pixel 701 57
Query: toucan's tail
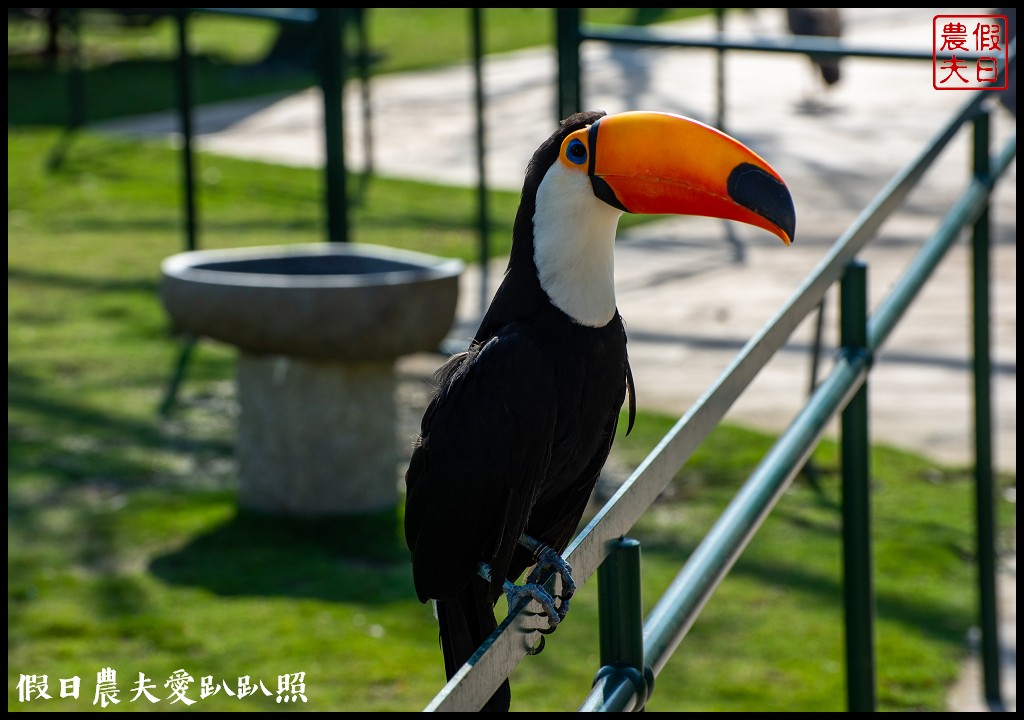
pixel 465 622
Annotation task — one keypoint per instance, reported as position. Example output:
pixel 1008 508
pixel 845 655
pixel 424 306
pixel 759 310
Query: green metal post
pixel 189 343
pixel 483 221
pixel 858 592
pixel 620 616
pixel 184 73
pixel 984 483
pixel 567 30
pixel 720 71
pixel 363 61
pixel 811 469
pixel 331 24
pixel 76 75
pixel 184 67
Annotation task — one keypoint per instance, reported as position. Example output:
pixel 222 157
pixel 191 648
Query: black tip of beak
pixel 756 190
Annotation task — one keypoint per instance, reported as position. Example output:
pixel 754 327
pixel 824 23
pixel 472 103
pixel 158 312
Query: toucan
pixel 520 424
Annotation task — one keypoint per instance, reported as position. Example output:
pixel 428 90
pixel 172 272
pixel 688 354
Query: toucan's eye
pixel 576 152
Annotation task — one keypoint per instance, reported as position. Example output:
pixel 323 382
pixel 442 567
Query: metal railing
pixel 329 26
pixel 633 653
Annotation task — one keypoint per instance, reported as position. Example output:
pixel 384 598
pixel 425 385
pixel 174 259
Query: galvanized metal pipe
pixel 611 694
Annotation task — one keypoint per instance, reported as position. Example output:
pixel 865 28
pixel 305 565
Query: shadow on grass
pixel 353 558
pixel 32 451
pixel 37 95
pixel 945 620
pixel 79 282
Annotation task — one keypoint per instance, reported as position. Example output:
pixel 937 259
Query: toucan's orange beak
pixel 655 163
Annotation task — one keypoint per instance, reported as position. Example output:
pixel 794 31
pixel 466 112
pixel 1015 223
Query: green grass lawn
pixel 125 549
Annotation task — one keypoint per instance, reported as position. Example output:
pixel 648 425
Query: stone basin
pixel 328 300
pixel 318 329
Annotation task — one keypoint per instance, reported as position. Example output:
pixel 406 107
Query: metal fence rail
pixel 678 609
pixel 630 662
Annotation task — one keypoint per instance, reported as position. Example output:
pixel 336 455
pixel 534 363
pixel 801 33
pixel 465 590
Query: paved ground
pixel 692 291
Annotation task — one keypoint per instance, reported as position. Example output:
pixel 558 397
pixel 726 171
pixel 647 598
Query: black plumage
pixel 551 390
pixel 520 425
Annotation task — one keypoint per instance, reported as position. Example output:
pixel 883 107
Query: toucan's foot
pixel 534 591
pixel 547 559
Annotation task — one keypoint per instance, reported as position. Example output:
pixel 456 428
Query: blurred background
pixel 128 546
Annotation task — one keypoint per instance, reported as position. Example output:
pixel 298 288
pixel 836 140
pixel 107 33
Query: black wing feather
pixel 484 449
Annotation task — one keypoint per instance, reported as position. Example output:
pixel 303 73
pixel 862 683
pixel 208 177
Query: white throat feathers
pixel 573 246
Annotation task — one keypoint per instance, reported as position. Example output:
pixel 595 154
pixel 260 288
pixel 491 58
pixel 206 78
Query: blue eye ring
pixel 576 152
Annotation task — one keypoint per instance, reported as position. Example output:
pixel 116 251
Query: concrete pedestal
pixel 318 329
pixel 316 437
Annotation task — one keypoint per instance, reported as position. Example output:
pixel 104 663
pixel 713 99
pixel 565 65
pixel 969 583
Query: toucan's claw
pixel 547 558
pixel 563 610
pixel 533 591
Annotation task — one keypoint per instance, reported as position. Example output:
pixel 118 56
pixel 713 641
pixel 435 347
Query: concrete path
pixel 692 290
